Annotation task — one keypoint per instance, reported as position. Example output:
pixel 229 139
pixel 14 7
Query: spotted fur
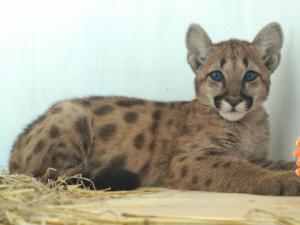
pixel 216 142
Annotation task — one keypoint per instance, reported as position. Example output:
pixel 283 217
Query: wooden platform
pixel 24 200
pixel 188 203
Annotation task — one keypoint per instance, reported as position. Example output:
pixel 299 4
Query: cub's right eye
pixel 216 76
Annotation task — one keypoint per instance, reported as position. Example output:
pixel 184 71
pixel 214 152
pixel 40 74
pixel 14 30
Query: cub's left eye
pixel 250 76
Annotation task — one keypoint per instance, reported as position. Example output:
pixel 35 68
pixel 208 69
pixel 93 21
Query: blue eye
pixel 216 76
pixel 250 76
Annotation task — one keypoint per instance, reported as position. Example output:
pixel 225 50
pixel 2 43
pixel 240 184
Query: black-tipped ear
pixel 198 44
pixel 268 43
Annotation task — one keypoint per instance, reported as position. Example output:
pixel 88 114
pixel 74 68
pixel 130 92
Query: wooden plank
pixel 197 203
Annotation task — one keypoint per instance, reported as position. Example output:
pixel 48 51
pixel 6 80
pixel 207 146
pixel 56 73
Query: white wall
pixel 50 50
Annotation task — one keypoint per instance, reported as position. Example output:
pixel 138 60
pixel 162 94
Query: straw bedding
pixel 25 200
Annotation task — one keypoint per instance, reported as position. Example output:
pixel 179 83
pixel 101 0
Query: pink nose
pixel 234 101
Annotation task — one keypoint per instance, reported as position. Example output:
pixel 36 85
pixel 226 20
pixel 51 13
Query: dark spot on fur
pixel 103 110
pixel 82 127
pixel 222 62
pixel 61 145
pixel 54 132
pixel 139 140
pixel 216 165
pixel 131 117
pixel 56 110
pixel 130 102
pixel 156 115
pixel 208 182
pixel 226 165
pixel 245 62
pixel 184 171
pixel 39 146
pixel 195 180
pixel 200 157
pixel 107 131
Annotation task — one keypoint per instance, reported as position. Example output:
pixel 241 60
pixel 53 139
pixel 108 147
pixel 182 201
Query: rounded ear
pixel 268 43
pixel 198 44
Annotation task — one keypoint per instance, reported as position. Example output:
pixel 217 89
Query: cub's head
pixel 233 76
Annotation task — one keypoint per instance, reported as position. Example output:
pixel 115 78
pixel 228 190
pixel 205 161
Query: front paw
pixel 278 183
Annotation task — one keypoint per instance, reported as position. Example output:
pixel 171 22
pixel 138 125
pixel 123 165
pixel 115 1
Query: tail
pixel 114 180
pixel 117 180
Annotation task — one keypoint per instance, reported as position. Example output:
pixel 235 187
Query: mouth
pixel 233 108
pixel 233 112
pixel 232 115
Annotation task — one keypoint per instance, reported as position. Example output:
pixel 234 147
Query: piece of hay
pixel 24 200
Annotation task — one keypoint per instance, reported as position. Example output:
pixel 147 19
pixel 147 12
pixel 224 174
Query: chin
pixel 232 116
